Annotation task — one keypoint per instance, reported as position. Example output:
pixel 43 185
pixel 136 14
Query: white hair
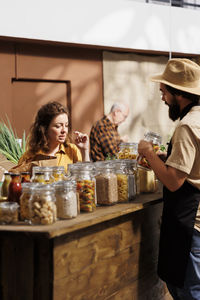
pixel 119 105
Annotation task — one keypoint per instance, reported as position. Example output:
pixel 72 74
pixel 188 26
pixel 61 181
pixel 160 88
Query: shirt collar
pixel 61 150
pixel 109 122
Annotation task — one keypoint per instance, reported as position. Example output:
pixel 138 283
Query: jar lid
pixel 14 174
pixel 25 173
pixel 9 205
pixel 131 144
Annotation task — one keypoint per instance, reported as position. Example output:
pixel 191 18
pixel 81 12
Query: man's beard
pixel 174 110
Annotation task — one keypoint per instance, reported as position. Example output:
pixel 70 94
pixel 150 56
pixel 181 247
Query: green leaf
pixel 9 145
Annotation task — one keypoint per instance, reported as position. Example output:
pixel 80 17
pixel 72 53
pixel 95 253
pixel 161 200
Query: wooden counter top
pixel 103 213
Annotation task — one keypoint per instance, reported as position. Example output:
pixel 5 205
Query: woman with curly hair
pixel 49 142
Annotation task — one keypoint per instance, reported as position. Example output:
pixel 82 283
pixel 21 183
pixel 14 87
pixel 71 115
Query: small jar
pixel 25 177
pixel 58 173
pixel 127 151
pixel 47 173
pixel 38 177
pixel 5 185
pixel 14 188
pixel 66 199
pixel 156 140
pixel 8 212
pixel 106 184
pixel 42 208
pixel 27 189
pixel 86 188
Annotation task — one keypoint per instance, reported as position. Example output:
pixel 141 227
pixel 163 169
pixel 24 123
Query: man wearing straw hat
pixel 179 252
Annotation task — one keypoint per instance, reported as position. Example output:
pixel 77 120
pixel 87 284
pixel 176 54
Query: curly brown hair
pixel 37 139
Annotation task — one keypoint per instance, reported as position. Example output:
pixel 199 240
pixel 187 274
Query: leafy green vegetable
pixel 9 144
pixel 162 148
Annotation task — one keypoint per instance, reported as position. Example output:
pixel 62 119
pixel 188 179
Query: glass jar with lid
pixel 38 177
pixel 42 207
pixel 27 189
pixel 106 184
pixel 47 171
pixel 86 188
pixel 147 181
pixel 128 151
pixel 126 180
pixel 66 199
pixel 8 212
pixel 5 185
pixel 25 177
pixel 58 173
pixel 14 188
pixel 156 141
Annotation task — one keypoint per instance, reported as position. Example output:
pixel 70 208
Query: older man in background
pixel 104 136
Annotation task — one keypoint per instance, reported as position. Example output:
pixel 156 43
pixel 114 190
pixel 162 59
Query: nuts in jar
pixel 8 212
pixel 42 205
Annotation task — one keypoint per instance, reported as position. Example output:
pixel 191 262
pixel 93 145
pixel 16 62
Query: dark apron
pixel 179 212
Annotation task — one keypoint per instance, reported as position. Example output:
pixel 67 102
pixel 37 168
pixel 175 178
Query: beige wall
pixel 20 100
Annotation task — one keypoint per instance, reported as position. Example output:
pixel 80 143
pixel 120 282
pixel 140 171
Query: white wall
pixel 116 23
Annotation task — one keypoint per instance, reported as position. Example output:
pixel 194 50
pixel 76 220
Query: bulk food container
pixel 66 199
pixel 127 151
pixel 42 208
pixel 106 183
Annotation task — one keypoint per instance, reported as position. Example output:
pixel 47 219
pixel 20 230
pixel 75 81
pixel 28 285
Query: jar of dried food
pixel 127 151
pixel 156 140
pixel 14 188
pixel 47 173
pixel 8 212
pixel 38 177
pixel 25 177
pixel 66 199
pixel 106 184
pixel 126 180
pixel 27 190
pixel 5 185
pixel 86 188
pixel 42 208
pixel 58 173
pixel 147 181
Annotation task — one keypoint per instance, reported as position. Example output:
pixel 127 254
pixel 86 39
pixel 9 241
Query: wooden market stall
pixel 108 254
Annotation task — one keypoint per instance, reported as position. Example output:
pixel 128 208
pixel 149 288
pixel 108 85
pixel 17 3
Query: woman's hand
pixel 81 140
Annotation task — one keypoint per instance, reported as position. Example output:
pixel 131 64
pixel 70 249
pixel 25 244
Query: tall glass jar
pixel 156 141
pixel 66 199
pixel 5 185
pixel 147 180
pixel 127 151
pixel 86 188
pixel 14 188
pixel 42 208
pixel 27 190
pixel 106 184
pixel 126 180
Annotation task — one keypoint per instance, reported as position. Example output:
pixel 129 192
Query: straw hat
pixel 182 74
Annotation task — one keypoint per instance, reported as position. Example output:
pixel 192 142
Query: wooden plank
pixel 43 270
pixel 16 267
pixel 84 220
pixel 100 262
